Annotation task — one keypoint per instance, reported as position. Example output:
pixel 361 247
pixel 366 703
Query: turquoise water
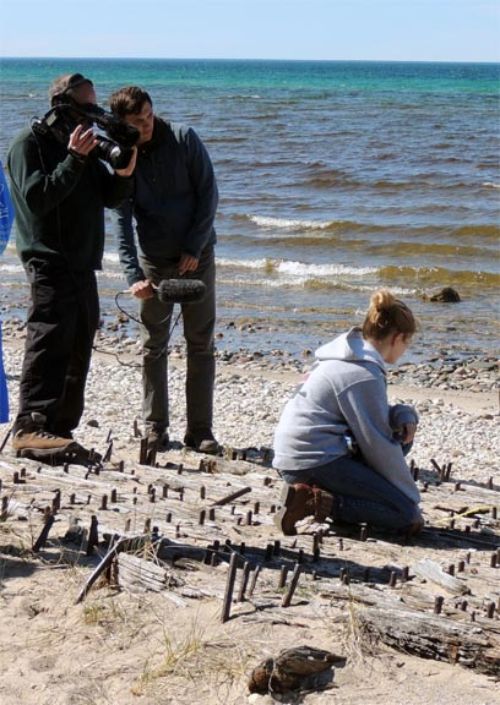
pixel 335 178
pixel 286 75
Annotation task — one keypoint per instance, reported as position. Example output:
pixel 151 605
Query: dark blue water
pixel 335 178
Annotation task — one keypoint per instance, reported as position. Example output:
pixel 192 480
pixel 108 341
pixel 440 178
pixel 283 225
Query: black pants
pixel 62 320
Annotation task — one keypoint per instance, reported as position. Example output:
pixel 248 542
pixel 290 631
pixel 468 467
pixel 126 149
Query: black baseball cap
pixel 65 84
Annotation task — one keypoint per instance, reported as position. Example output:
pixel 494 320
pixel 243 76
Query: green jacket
pixel 59 201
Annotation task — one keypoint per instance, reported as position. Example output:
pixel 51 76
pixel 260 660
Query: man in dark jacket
pixel 174 204
pixel 59 190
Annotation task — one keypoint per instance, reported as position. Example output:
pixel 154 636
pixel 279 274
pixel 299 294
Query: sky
pixel 395 30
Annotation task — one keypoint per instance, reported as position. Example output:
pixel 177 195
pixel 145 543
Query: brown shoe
pixel 415 528
pixel 202 441
pixel 158 440
pixel 38 439
pixel 300 501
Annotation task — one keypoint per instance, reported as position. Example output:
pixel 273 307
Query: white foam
pixel 297 269
pixel 490 184
pixel 323 270
pixel 290 224
pixel 245 263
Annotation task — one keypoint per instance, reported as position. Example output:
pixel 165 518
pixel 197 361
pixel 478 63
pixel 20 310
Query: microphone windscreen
pixel 180 291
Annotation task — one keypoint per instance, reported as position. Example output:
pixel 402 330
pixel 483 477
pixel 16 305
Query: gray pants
pixel 361 493
pixel 199 323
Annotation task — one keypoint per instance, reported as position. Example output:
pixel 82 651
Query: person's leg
pixel 49 340
pixel 156 318
pixel 360 494
pixel 154 334
pixel 199 325
pixel 71 406
pixel 51 325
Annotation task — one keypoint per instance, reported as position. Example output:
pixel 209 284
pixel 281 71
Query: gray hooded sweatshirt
pixel 345 393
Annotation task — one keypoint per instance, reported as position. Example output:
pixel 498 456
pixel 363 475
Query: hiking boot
pixel 300 501
pixel 202 441
pixel 158 440
pixel 39 439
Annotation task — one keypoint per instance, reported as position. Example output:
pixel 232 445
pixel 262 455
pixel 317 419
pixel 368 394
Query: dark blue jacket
pixel 174 202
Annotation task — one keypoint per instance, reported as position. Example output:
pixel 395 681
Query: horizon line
pixel 261 59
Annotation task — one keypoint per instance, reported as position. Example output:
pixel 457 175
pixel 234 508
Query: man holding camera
pixel 174 203
pixel 59 190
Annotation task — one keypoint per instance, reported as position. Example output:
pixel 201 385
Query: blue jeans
pixel 361 494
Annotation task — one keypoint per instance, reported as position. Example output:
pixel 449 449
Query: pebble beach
pixel 456 398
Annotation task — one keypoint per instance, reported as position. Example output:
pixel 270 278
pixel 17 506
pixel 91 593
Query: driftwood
pixel 137 574
pixel 413 628
pixel 231 497
pixel 434 637
pixel 430 570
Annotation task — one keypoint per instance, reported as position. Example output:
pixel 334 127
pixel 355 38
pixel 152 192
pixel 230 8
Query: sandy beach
pixel 119 647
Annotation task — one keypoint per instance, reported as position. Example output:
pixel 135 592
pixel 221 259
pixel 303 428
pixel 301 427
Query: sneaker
pixel 300 501
pixel 158 439
pixel 202 441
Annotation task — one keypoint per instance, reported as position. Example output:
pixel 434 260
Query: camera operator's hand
pixel 129 169
pixel 187 263
pixel 82 141
pixel 142 290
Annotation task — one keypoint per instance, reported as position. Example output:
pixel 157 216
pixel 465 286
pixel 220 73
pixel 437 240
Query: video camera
pixel 116 149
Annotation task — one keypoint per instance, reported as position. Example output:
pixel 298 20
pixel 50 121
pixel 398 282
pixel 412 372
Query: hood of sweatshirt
pixel 350 346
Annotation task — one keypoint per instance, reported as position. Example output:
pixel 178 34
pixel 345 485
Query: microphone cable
pixel 137 320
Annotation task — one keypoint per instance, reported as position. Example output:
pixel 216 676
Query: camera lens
pixel 118 157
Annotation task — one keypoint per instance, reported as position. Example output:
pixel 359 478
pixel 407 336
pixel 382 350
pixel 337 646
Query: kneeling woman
pixel 339 445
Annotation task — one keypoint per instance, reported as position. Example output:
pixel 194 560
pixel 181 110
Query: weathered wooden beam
pixel 287 598
pixel 432 636
pixel 228 594
pixel 231 497
pixel 99 570
pixel 40 542
pixel 430 570
pixel 135 573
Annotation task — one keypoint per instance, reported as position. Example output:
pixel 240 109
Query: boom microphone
pixel 180 291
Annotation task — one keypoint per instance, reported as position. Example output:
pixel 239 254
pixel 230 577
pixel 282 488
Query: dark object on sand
pixel 292 670
pixel 447 295
pixel 73 453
